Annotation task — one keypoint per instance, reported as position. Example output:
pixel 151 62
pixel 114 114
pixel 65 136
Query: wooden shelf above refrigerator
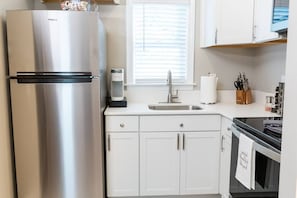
pixel 115 2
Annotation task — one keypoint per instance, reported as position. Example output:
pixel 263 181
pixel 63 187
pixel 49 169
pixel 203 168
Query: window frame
pixel 129 42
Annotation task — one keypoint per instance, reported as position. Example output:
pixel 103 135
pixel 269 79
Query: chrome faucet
pixel 171 97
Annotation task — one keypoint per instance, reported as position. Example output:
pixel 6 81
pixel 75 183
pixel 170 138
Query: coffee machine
pixel 117 98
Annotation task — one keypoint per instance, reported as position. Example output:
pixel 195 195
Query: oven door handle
pixel 259 145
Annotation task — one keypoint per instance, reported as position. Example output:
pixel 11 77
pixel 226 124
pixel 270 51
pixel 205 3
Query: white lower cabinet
pixel 175 163
pixel 225 170
pixel 122 164
pixel 226 140
pixel 122 155
pixel 200 163
pixel 159 164
pixel 182 158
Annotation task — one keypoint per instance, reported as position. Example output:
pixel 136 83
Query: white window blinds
pixel 161 40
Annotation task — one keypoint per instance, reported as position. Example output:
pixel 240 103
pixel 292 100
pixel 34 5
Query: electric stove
pixel 268 129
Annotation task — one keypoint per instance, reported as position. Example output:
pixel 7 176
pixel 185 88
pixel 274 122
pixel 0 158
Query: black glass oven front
pixel 266 174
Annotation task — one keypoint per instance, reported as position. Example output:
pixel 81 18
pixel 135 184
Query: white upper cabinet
pixel 262 29
pixel 233 22
pixel 208 22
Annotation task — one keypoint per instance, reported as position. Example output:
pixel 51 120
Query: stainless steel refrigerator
pixel 57 82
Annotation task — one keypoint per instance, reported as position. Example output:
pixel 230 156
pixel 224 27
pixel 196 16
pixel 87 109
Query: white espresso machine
pixel 117 98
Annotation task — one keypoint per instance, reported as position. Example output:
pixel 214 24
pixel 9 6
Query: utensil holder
pixel 248 97
pixel 240 97
pixel 243 97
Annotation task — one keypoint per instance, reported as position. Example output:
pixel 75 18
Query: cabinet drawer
pixel 122 123
pixel 180 123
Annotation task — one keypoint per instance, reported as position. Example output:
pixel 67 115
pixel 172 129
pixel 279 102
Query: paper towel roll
pixel 208 89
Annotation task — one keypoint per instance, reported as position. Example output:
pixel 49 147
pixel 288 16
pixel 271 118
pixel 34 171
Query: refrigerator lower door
pixel 57 129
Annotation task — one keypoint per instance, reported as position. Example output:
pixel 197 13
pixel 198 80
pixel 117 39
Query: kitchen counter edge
pixel 228 110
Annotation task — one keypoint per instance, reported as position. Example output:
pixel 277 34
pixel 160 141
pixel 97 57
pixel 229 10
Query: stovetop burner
pixel 267 129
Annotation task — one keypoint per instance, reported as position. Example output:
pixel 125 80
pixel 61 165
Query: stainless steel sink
pixel 174 107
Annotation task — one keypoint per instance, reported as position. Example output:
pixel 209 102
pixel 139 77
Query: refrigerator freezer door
pixel 55 41
pixel 58 139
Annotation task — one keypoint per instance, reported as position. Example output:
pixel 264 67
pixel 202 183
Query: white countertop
pixel 229 110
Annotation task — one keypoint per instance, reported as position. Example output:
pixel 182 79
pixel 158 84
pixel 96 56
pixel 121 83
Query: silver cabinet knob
pixel 178 141
pixel 222 143
pixel 181 125
pixel 122 125
pixel 228 129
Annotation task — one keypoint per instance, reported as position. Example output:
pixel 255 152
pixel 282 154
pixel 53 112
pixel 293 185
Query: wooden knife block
pixel 243 97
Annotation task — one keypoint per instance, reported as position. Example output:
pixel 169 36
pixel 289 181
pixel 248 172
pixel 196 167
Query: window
pixel 160 37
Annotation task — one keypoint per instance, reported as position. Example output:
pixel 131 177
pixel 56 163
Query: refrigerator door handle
pixel 54 73
pixel 54 77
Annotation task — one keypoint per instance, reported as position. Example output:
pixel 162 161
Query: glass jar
pixel 269 103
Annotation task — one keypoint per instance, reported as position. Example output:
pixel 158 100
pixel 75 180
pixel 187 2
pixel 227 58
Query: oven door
pixel 267 169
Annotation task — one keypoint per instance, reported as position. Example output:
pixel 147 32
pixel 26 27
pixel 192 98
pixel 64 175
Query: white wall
pixel 6 175
pixel 14 4
pixel 227 63
pixel 288 179
pixel 6 172
pixel 263 66
pixel 270 66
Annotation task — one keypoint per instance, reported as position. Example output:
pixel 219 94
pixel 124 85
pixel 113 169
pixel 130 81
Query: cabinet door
pixel 159 163
pixel 262 21
pixel 200 163
pixel 226 138
pixel 208 22
pixel 225 168
pixel 235 22
pixel 122 162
